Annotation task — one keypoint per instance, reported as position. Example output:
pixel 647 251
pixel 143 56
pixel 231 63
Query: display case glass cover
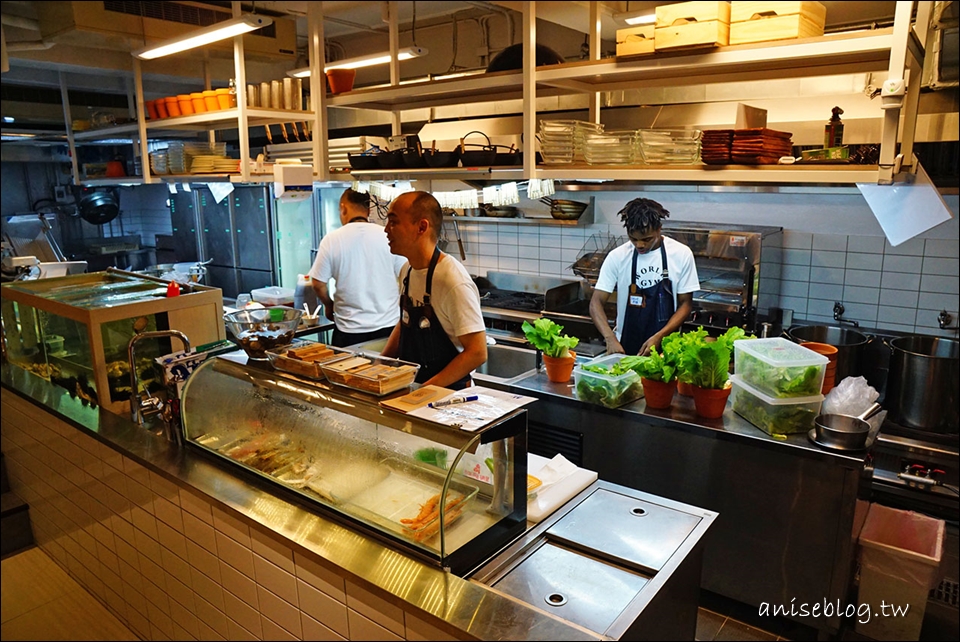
pixel 381 470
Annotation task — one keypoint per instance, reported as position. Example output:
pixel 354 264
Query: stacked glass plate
pixel 158 162
pixel 561 141
pixel 610 148
pixel 669 146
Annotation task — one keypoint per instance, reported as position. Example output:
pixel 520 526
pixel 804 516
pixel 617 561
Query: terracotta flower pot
pixel 684 388
pixel 559 369
pixel 710 402
pixel 657 393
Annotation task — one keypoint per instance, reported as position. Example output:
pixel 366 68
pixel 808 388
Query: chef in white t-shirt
pixel 364 303
pixel 655 277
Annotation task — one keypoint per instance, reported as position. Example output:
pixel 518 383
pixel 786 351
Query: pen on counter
pixel 450 402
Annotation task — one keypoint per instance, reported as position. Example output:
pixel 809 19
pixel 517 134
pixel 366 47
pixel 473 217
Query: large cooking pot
pixel 923 382
pixel 848 342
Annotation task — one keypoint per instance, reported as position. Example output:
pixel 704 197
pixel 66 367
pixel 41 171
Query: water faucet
pixel 140 407
pixel 838 315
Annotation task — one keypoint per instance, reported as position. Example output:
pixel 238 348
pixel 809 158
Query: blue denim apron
pixel 648 309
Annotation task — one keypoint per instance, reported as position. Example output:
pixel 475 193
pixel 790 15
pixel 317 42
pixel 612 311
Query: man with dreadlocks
pixel 655 278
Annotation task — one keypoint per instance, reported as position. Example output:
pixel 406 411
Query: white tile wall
pixel 169 563
pixel 834 250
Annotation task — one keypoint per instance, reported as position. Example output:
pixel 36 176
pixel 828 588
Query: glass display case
pixel 74 330
pixel 449 496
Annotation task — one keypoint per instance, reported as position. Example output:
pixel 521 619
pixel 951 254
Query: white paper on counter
pixel 471 416
pixel 555 470
pixel 905 210
pixel 220 190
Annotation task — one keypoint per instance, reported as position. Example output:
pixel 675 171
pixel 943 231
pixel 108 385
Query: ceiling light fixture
pixel 213 33
pixel 634 18
pixel 363 61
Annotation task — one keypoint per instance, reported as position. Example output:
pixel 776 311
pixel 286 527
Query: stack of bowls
pixel 830 352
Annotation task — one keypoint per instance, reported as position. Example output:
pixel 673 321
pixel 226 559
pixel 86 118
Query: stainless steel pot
pixel 848 342
pixel 922 385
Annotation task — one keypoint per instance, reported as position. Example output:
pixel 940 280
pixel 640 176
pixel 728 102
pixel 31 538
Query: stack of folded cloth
pixel 760 146
pixel 715 146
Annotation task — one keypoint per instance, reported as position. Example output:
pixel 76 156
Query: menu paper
pixel 905 210
pixel 470 416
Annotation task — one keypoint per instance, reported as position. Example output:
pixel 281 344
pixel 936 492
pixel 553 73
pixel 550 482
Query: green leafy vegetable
pixel 609 393
pixel 780 381
pixel 544 335
pixel 784 419
pixel 707 363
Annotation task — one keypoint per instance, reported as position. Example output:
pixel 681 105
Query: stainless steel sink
pixel 504 363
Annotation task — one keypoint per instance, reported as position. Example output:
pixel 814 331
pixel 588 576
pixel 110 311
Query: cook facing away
pixel 364 303
pixel 655 278
pixel 440 326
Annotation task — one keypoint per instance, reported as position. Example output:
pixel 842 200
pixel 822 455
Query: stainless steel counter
pixel 788 510
pixel 466 606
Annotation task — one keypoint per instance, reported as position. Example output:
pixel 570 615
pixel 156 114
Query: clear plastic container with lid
pixel 779 367
pixel 605 388
pixel 772 415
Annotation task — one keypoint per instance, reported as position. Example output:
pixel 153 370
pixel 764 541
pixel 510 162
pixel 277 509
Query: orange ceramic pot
pixel 657 393
pixel 559 369
pixel 224 98
pixel 341 80
pixel 186 105
pixel 173 106
pixel 151 106
pixel 684 388
pixel 161 105
pixel 210 100
pixel 199 104
pixel 710 402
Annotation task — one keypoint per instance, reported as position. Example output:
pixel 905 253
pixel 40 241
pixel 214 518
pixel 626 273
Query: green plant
pixel 544 335
pixel 707 363
pixel 662 366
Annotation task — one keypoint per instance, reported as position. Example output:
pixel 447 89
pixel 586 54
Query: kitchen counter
pixel 789 511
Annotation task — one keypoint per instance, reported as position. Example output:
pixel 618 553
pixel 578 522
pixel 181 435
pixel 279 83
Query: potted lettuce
pixel 658 372
pixel 706 366
pixel 545 335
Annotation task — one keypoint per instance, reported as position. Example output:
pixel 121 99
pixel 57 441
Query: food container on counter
pixel 273 295
pixel 376 375
pixel 779 367
pixel 772 415
pixel 304 358
pixel 606 389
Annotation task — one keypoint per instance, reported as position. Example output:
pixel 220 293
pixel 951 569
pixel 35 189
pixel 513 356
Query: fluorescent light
pixel 363 61
pixel 634 18
pixel 8 119
pixel 205 36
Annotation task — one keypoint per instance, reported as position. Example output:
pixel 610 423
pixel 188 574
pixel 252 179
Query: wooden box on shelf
pixel 763 21
pixel 692 24
pixel 635 40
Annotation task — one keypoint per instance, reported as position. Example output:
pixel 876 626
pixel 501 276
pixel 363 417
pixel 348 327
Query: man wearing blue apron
pixel 441 326
pixel 655 277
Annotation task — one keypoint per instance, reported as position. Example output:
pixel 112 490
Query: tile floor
pixel 40 601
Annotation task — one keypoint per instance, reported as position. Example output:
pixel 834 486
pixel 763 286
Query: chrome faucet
pixel 149 405
pixel 838 315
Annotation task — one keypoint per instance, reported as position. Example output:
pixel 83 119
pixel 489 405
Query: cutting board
pixel 417 399
pixel 553 497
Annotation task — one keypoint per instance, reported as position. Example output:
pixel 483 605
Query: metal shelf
pixel 229 119
pixel 441 173
pixel 822 174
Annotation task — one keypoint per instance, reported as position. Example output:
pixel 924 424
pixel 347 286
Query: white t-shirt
pixel 357 256
pixel 615 273
pixel 453 295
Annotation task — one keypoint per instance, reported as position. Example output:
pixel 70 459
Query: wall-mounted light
pixel 363 61
pixel 200 37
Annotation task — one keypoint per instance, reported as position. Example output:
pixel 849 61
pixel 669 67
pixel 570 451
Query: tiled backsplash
pixel 833 250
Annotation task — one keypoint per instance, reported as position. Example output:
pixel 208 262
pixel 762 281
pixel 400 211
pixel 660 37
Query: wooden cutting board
pixel 416 399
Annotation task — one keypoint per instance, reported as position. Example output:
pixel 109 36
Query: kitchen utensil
pixel 504 211
pixel 849 344
pixel 283 130
pixel 845 432
pixel 485 155
pixel 390 159
pixel 435 158
pixel 456 228
pixel 923 383
pixel 269 134
pixel 259 330
pixel 564 210
pixel 413 158
pixel 509 157
pixel 366 160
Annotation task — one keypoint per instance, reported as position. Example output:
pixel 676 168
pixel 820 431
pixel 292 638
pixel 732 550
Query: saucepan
pixel 845 432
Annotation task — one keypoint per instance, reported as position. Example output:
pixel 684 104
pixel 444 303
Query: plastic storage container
pixel 900 556
pixel 774 416
pixel 376 375
pixel 607 390
pixel 274 295
pixel 779 368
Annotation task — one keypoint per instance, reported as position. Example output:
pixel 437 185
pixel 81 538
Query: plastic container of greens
pixel 779 368
pixel 605 388
pixel 772 415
